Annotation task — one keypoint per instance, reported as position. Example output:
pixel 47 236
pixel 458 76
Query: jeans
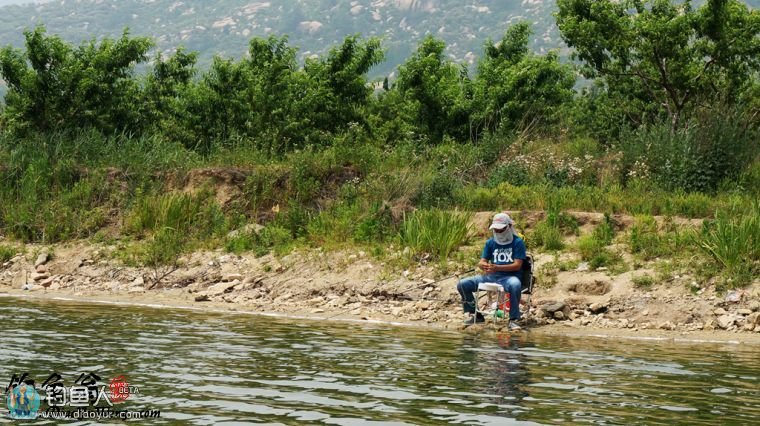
pixel 511 284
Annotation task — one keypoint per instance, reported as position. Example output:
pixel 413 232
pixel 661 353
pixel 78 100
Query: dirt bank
pixel 340 285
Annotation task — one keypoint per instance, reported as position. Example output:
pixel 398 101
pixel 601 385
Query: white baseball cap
pixel 500 221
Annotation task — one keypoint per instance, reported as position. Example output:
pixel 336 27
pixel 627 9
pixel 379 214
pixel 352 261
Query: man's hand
pixel 485 266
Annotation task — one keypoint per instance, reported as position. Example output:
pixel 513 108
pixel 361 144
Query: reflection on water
pixel 214 368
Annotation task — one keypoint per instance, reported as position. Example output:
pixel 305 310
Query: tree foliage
pixel 663 52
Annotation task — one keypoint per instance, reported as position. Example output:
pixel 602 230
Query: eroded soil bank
pixel 340 285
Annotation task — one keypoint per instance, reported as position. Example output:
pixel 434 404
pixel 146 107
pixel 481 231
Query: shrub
pixel 7 253
pixel 733 242
pixel 643 281
pixel 434 232
pixel 546 235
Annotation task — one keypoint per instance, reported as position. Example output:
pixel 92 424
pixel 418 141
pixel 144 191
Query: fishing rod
pixel 409 289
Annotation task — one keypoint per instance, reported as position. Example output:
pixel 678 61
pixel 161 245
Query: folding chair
pixel 527 282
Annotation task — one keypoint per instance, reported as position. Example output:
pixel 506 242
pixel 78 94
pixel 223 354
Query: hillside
pixel 224 27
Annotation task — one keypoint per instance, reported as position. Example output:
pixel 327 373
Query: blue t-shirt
pixel 505 254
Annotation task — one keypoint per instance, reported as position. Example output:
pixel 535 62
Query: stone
pixel 428 281
pixel 138 281
pixel 725 321
pixel 598 307
pixel 220 288
pixel 744 312
pixel 42 259
pixel 39 277
pixel 559 315
pixel 48 282
pixel 623 322
pixel 317 311
pixel 251 228
pixel 754 305
pixel 667 325
pixel 202 298
pixel 553 307
pixel 41 269
pixel 720 311
pixel 232 277
pixel 753 318
pixel 757 329
pixel 55 286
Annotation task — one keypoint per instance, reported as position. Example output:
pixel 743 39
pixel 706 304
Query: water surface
pixel 214 368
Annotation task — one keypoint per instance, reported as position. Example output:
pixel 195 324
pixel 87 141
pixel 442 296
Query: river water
pixel 213 368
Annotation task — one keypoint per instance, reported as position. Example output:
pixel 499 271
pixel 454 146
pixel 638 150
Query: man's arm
pixel 515 266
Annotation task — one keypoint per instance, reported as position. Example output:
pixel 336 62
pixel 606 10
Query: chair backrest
pixel 527 275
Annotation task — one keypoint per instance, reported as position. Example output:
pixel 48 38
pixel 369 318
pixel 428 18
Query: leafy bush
pixel 434 232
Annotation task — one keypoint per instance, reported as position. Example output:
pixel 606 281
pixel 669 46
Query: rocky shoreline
pixel 339 286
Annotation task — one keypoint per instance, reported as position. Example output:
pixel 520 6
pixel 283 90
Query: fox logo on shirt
pixel 503 255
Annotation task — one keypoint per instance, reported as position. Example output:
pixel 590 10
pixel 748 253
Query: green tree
pixel 439 90
pixel 678 56
pixel 53 86
pixel 517 88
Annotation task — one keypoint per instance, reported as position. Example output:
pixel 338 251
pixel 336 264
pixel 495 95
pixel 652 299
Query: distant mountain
pixel 225 26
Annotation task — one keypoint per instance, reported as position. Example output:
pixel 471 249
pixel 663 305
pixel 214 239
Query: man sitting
pixel 501 262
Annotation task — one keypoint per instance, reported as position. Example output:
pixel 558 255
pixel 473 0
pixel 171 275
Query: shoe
pixel 513 326
pixel 475 319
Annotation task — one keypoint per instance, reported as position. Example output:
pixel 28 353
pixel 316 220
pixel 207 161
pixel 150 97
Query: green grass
pixel 7 253
pixel 643 281
pixel 732 241
pixel 434 232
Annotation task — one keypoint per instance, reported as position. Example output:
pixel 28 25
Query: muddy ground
pixel 354 285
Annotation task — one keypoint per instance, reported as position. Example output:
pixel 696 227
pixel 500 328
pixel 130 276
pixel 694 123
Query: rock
pixel 251 228
pixel 709 325
pixel 553 307
pixel 598 307
pixel 582 267
pixel 220 288
pixel 48 282
pixel 232 277
pixel 202 298
pixel 559 315
pixel 754 305
pixel 753 318
pixel 725 321
pixel 757 329
pixel 138 281
pixel 423 304
pixel 667 325
pixel 41 269
pixel 744 312
pixel 396 311
pixel 734 296
pixel 317 311
pixel 720 311
pixel 427 281
pixel 42 259
pixel 137 289
pixel 39 277
pixel 623 323
pixel 55 286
